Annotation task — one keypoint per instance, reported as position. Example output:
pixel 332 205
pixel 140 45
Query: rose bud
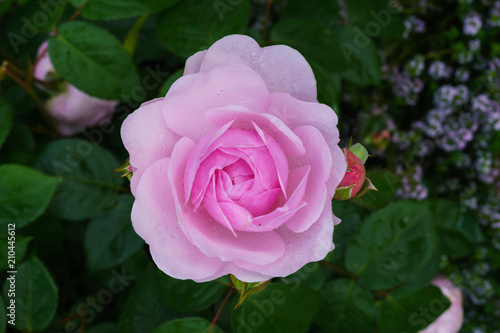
pixel 451 320
pixel 71 109
pixel 354 183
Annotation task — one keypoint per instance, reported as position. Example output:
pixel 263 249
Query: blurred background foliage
pixel 80 265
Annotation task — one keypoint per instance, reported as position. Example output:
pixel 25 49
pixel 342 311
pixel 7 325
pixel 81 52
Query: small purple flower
pixel 482 104
pixel 448 95
pixel 472 23
pixel 462 74
pixel 415 66
pixel 439 70
pixel 474 45
pixel 494 19
pixel 413 24
pixel 465 57
pixel 411 183
pixel 406 87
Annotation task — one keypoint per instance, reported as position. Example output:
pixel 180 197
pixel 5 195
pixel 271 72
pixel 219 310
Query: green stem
pixel 11 72
pixel 130 42
pixel 78 10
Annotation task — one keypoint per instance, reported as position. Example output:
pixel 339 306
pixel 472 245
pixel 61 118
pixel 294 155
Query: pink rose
pixel 235 169
pixel 71 109
pixel 451 320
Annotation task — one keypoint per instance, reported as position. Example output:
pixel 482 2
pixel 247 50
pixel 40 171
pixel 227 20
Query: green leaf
pixel 324 12
pixel 376 18
pixel 189 296
pixel 312 276
pixel 191 325
pixel 279 308
pixel 458 233
pixel 145 308
pixel 24 194
pixel 88 186
pixel 5 6
pixel 347 50
pixel 194 25
pixel 20 146
pixel 104 328
pixel 93 60
pixel 360 151
pixel 429 270
pixel 3 316
pixel 351 219
pixel 411 310
pixel 112 9
pixel 361 54
pixel 168 83
pixel 346 308
pixel 329 85
pixel 47 234
pixel 391 245
pixel 311 40
pixel 20 250
pixel 7 116
pixel 36 296
pixel 110 238
pixel 386 182
pixel 40 17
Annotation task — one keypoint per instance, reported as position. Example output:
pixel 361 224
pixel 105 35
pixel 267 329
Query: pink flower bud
pixel 71 109
pixel 354 177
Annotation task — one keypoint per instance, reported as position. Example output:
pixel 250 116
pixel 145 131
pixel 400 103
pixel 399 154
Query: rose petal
pixel 451 320
pixel 282 68
pixel 339 167
pixel 242 118
pixel 193 63
pixel 146 136
pixel 154 219
pixel 278 156
pixel 319 157
pixel 191 96
pixel 74 110
pixel 213 239
pixel 43 65
pixel 260 204
pixel 285 210
pixel 301 248
pixel 295 113
pixel 216 161
pixel 240 273
pixel 211 204
pixel 200 152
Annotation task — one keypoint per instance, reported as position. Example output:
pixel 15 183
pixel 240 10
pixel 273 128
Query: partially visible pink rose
pixel 451 320
pixel 235 168
pixel 354 177
pixel 71 109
